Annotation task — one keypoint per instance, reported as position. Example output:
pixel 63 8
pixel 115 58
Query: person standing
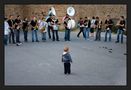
pixel 55 29
pixel 121 28
pixel 81 25
pixel 6 31
pixel 67 28
pixel 98 24
pixel 25 28
pixel 43 26
pixel 93 26
pixel 66 59
pixel 17 30
pixel 11 27
pixel 34 29
pixel 87 24
pixel 109 24
pixel 49 20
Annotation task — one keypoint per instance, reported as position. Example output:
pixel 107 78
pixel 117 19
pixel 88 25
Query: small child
pixel 66 58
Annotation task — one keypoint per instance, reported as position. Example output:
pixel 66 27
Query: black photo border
pixel 4 2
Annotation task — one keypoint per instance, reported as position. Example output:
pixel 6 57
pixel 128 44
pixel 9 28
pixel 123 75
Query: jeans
pixel 5 39
pixel 55 33
pixel 25 35
pixel 43 36
pixel 34 35
pixel 12 35
pixel 98 34
pixel 49 33
pixel 67 34
pixel 86 32
pixel 120 33
pixel 17 36
pixel 108 32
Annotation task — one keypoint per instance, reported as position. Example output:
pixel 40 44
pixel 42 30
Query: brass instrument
pixel 43 29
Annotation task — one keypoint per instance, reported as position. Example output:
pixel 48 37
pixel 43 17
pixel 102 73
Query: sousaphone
pixel 51 12
pixel 71 12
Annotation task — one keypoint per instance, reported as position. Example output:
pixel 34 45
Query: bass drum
pixel 71 24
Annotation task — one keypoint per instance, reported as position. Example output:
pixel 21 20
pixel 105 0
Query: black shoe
pixel 14 43
pixel 58 40
pixel 37 40
pixel 117 42
pixel 32 40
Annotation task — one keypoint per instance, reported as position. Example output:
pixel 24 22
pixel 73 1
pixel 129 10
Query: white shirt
pixel 93 22
pixel 43 24
pixel 6 28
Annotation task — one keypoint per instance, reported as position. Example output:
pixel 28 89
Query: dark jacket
pixel 66 58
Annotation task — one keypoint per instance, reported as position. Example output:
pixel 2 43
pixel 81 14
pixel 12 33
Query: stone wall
pixel 101 10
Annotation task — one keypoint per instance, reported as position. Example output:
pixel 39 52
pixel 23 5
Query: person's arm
pixel 62 59
pixel 70 58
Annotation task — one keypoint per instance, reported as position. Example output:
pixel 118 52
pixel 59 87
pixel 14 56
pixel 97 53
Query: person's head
pixel 85 18
pixel 66 49
pixel 93 17
pixel 121 17
pixel 108 16
pixel 53 16
pixel 18 16
pixel 5 19
pixel 34 18
pixel 10 16
pixel 88 18
pixel 81 18
pixel 25 18
pixel 67 15
pixel 97 18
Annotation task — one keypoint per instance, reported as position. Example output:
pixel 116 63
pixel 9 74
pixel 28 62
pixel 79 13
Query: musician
pixel 34 24
pixel 11 27
pixel 93 26
pixel 109 24
pixel 67 28
pixel 17 29
pixel 55 28
pixel 81 25
pixel 25 28
pixel 86 30
pixel 43 26
pixel 6 31
pixel 49 20
pixel 121 29
pixel 98 24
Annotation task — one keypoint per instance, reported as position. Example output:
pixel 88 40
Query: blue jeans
pixel 67 34
pixel 86 32
pixel 43 36
pixel 6 39
pixel 120 32
pixel 17 36
pixel 34 35
pixel 98 35
pixel 108 32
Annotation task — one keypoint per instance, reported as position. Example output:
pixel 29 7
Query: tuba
pixel 71 23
